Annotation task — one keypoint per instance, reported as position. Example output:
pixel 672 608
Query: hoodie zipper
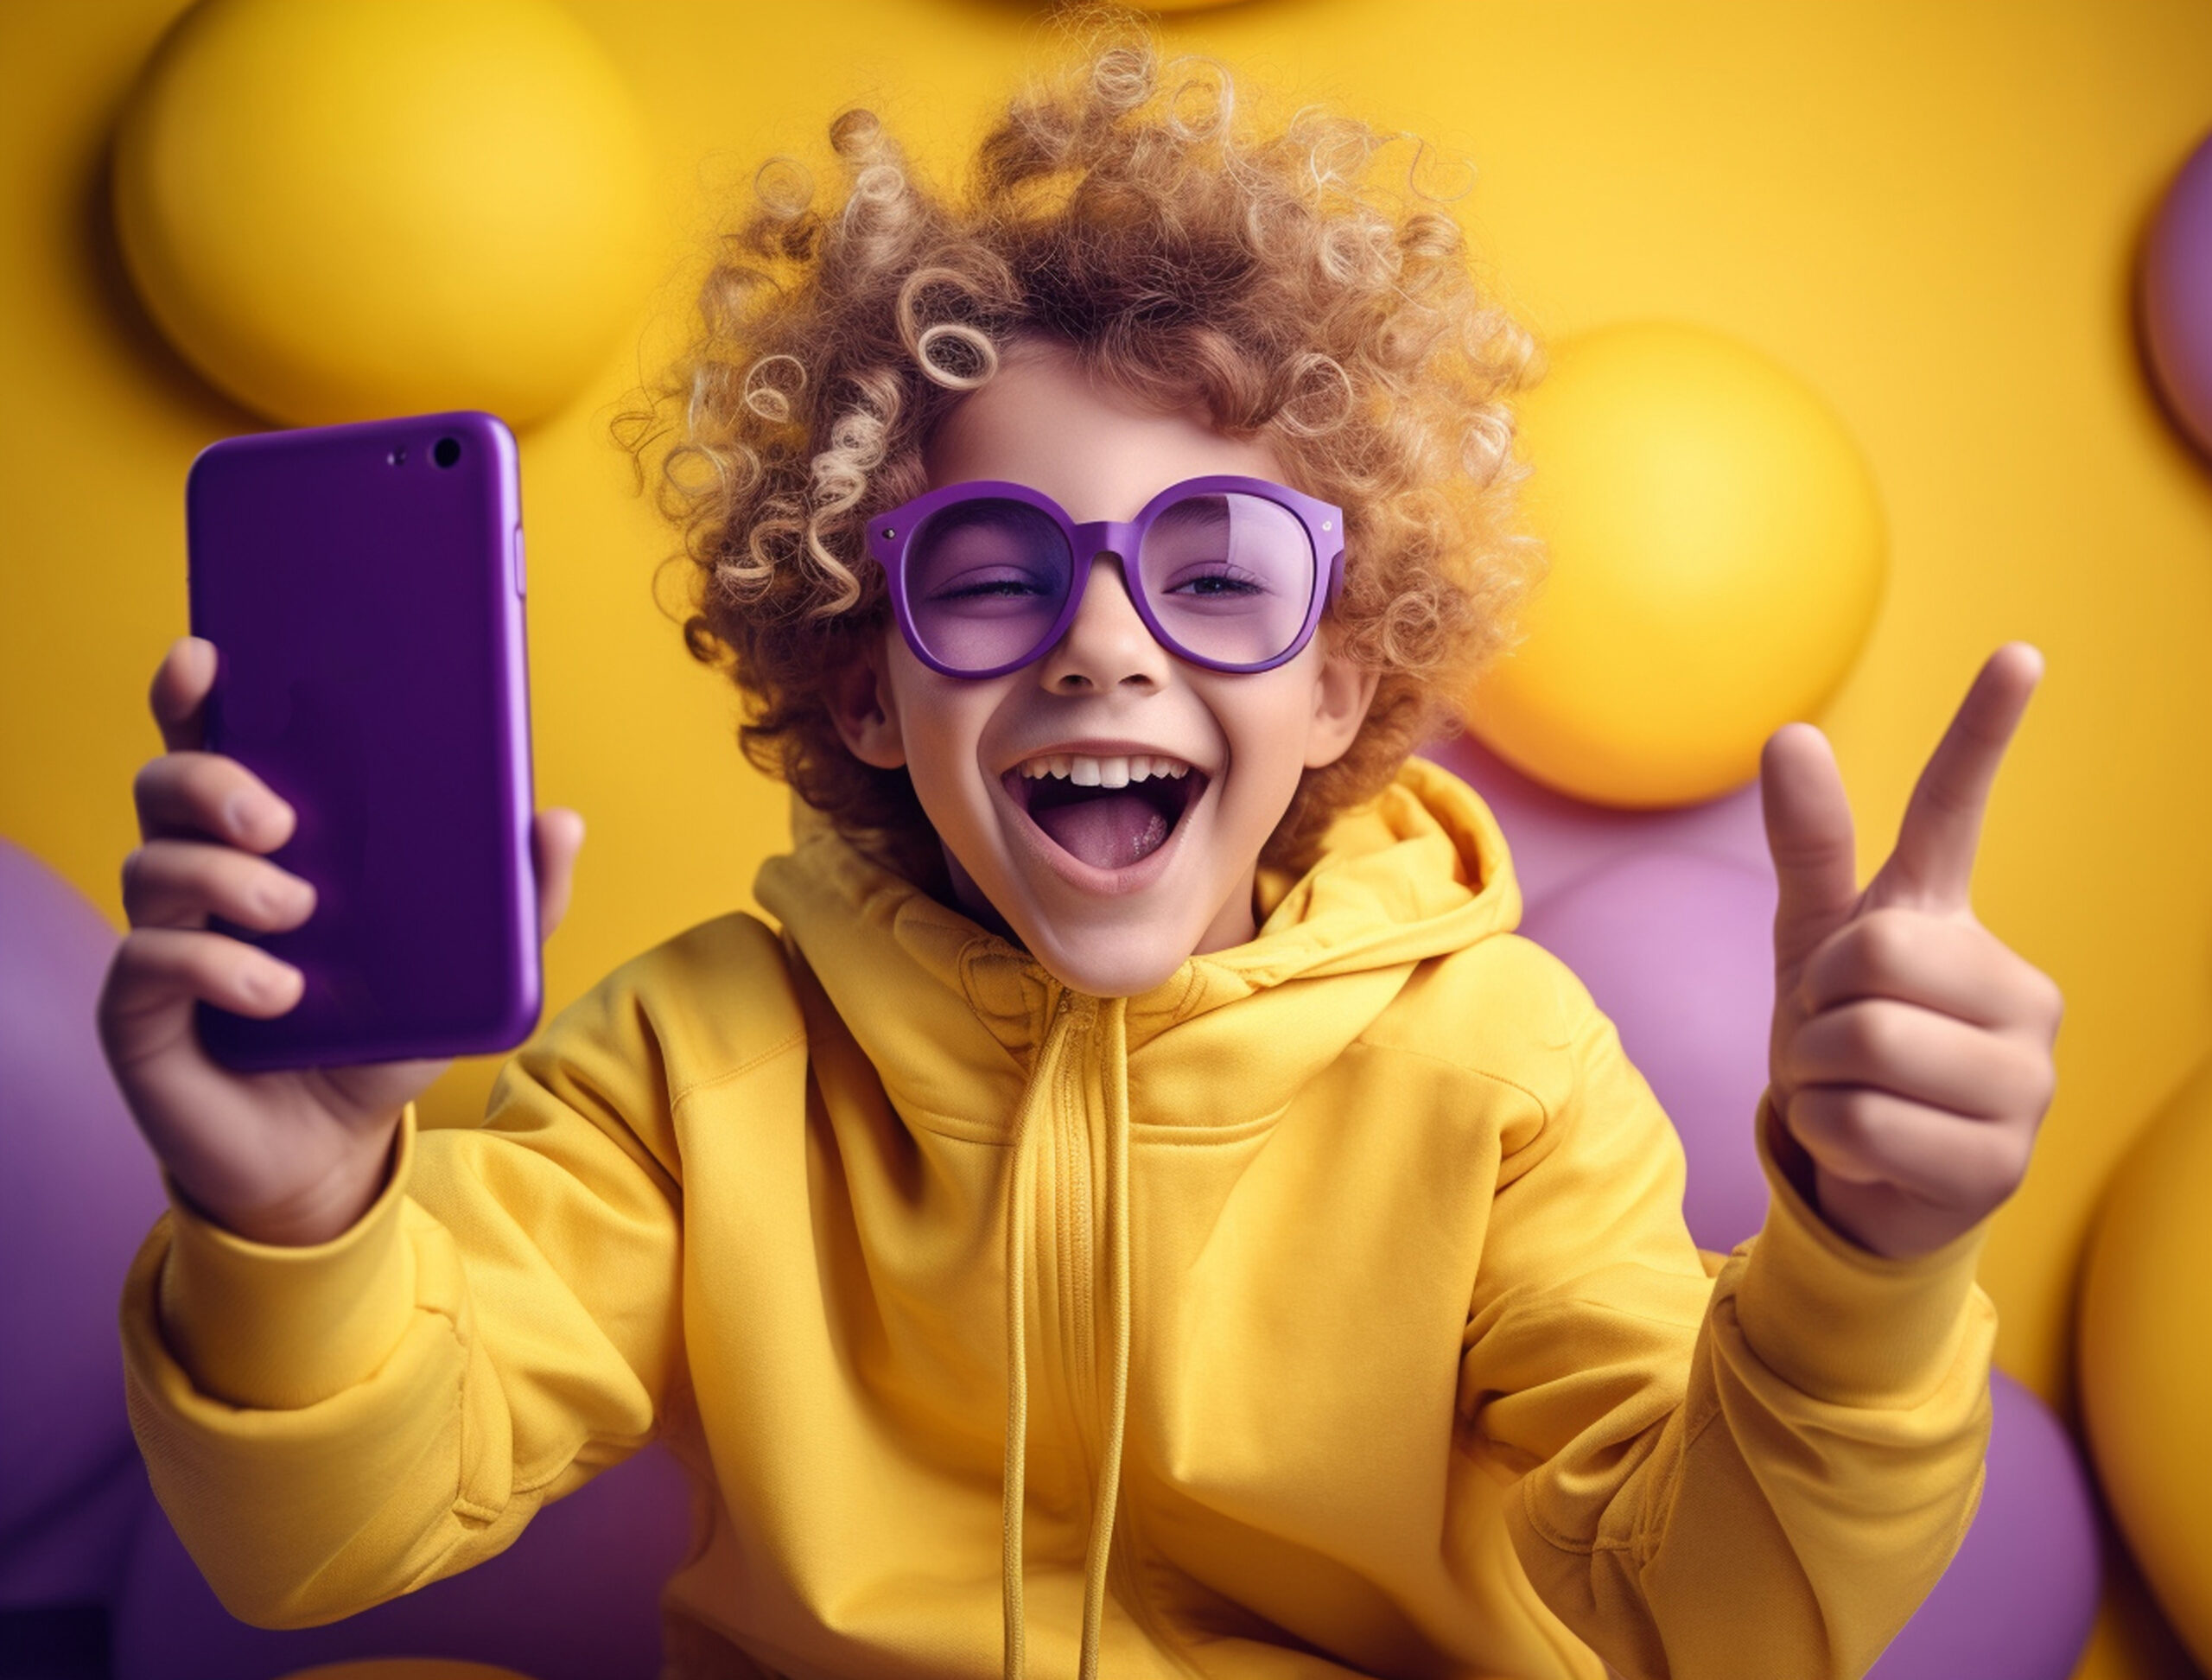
pixel 1078 1327
pixel 1088 1129
pixel 1077 1108
pixel 1065 1164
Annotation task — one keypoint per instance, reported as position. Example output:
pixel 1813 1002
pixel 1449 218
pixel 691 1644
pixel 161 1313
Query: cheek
pixel 1268 726
pixel 944 777
pixel 941 724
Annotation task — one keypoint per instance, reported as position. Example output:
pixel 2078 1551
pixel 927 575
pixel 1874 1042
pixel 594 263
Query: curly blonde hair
pixel 1276 281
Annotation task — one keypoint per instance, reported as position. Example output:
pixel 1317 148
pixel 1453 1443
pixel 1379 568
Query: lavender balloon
pixel 77 1198
pixel 2178 296
pixel 2018 1600
pixel 1678 948
pixel 1556 841
pixel 577 1597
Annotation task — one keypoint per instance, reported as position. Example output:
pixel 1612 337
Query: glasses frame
pixel 890 532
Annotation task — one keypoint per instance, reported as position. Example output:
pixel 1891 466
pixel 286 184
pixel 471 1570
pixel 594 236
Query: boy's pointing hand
pixel 1912 1052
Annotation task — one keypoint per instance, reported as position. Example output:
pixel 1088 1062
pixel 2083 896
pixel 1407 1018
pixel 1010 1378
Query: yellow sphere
pixel 2145 1352
pixel 337 209
pixel 1716 557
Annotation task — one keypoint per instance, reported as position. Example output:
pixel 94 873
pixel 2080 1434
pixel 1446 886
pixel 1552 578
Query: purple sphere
pixel 2178 296
pixel 1678 948
pixel 2018 1600
pixel 79 1195
pixel 577 1597
pixel 1555 840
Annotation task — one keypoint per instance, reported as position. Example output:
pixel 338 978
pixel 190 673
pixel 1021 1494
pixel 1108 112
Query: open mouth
pixel 1107 812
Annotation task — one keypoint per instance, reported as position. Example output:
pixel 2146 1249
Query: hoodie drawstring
pixel 1021 1212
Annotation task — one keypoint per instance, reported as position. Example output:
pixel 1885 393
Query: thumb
pixel 1808 833
pixel 556 838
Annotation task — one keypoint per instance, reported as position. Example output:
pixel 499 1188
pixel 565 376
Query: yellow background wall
pixel 1931 213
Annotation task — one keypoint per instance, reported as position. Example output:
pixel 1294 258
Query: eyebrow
pixel 1195 511
pixel 986 514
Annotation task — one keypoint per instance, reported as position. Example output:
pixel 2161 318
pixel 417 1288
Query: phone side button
pixel 522 570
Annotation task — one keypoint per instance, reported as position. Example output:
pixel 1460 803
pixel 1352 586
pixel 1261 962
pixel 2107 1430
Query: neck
pixel 1234 923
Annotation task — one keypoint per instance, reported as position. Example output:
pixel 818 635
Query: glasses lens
pixel 1229 577
pixel 985 583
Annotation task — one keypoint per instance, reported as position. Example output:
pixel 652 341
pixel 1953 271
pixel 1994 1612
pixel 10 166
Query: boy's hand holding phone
pixel 292 1156
pixel 1911 1053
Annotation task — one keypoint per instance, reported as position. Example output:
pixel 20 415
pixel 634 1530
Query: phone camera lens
pixel 446 451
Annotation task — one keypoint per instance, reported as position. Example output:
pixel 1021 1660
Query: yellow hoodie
pixel 1359 1329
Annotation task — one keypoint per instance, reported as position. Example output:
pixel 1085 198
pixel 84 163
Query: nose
pixel 1107 646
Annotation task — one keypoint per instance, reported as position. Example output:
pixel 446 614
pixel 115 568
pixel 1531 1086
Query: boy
pixel 1144 1205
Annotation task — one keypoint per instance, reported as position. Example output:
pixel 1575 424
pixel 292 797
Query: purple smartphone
pixel 362 586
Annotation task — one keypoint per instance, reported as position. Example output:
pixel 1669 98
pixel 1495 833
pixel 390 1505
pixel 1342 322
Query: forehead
pixel 1042 420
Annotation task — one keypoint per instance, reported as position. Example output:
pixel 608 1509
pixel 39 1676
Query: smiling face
pixel 1106 804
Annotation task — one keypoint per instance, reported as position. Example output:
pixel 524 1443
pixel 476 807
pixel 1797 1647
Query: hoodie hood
pixel 1419 872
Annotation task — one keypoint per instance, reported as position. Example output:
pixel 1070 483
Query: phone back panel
pixel 365 605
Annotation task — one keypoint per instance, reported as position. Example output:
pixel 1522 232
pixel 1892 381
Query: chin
pixel 1098 968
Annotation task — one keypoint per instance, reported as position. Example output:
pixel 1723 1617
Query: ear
pixel 866 712
pixel 1342 693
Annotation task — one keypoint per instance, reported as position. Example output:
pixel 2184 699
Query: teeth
pixel 1087 771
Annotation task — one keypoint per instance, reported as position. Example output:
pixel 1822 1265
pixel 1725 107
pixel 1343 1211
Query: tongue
pixel 1107 830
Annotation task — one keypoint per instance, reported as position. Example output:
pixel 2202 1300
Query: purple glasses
pixel 1228 573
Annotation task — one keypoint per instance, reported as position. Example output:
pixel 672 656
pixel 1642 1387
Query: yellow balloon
pixel 337 209
pixel 2145 1354
pixel 1717 555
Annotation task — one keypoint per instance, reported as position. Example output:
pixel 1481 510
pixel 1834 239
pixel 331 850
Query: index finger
pixel 1932 862
pixel 179 696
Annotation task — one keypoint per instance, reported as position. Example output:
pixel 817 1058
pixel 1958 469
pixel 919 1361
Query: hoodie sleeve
pixel 330 1427
pixel 1760 1476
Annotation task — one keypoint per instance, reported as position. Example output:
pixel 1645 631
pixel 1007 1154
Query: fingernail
pixel 286 899
pixel 272 983
pixel 237 814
